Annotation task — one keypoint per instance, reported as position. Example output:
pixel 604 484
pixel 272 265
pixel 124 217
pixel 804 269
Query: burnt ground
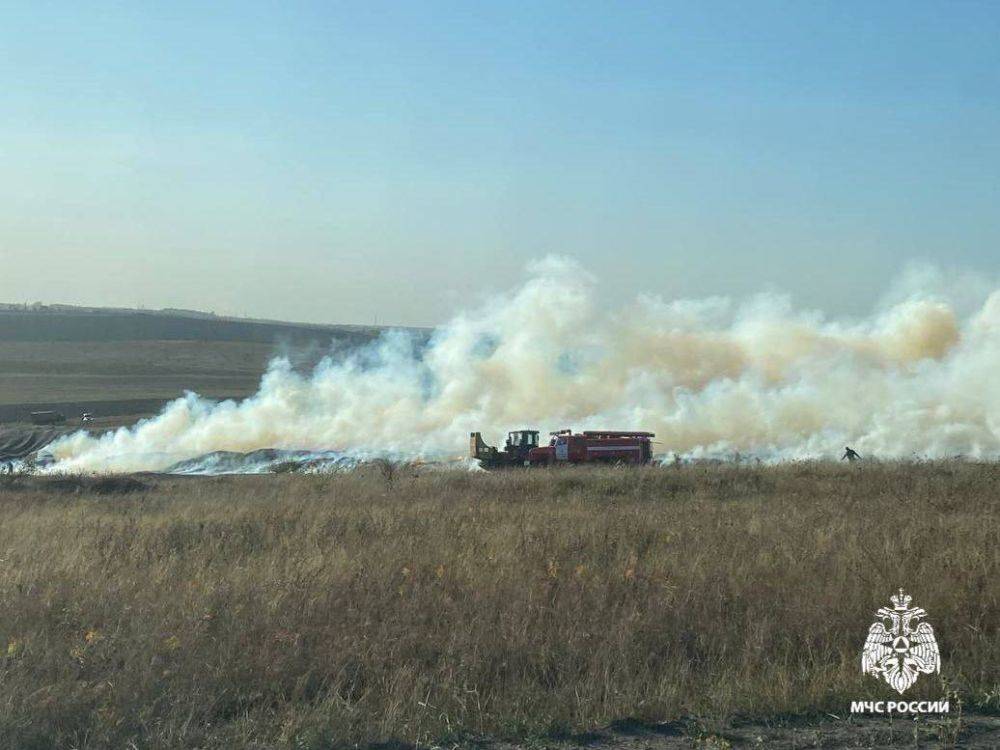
pixel 951 731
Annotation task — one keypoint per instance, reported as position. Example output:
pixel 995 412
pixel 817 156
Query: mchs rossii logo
pixel 900 647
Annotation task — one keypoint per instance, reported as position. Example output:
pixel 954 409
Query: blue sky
pixel 395 161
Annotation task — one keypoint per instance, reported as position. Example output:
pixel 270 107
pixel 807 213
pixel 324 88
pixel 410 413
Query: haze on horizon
pixel 395 162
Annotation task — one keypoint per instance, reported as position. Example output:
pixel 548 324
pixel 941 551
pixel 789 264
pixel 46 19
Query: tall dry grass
pixel 312 611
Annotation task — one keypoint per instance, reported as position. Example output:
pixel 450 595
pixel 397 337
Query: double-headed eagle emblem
pixel 898 648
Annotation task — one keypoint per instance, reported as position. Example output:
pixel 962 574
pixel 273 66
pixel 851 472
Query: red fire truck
pixel 594 446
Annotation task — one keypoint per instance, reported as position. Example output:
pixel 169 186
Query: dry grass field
pixel 456 609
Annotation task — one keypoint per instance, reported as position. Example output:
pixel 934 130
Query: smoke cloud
pixel 710 377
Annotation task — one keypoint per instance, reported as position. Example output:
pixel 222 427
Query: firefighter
pixel 850 454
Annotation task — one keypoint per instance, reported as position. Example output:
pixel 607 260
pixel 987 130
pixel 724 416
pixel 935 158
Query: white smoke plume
pixel 710 377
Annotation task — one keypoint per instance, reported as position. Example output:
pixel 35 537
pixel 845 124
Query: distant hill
pixel 122 364
pixel 68 323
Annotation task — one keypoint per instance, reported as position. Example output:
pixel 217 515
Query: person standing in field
pixel 850 454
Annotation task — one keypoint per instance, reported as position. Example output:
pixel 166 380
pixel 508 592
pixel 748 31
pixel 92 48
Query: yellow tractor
pixel 515 451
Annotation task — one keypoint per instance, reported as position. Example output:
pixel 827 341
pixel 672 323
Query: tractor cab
pixel 519 442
